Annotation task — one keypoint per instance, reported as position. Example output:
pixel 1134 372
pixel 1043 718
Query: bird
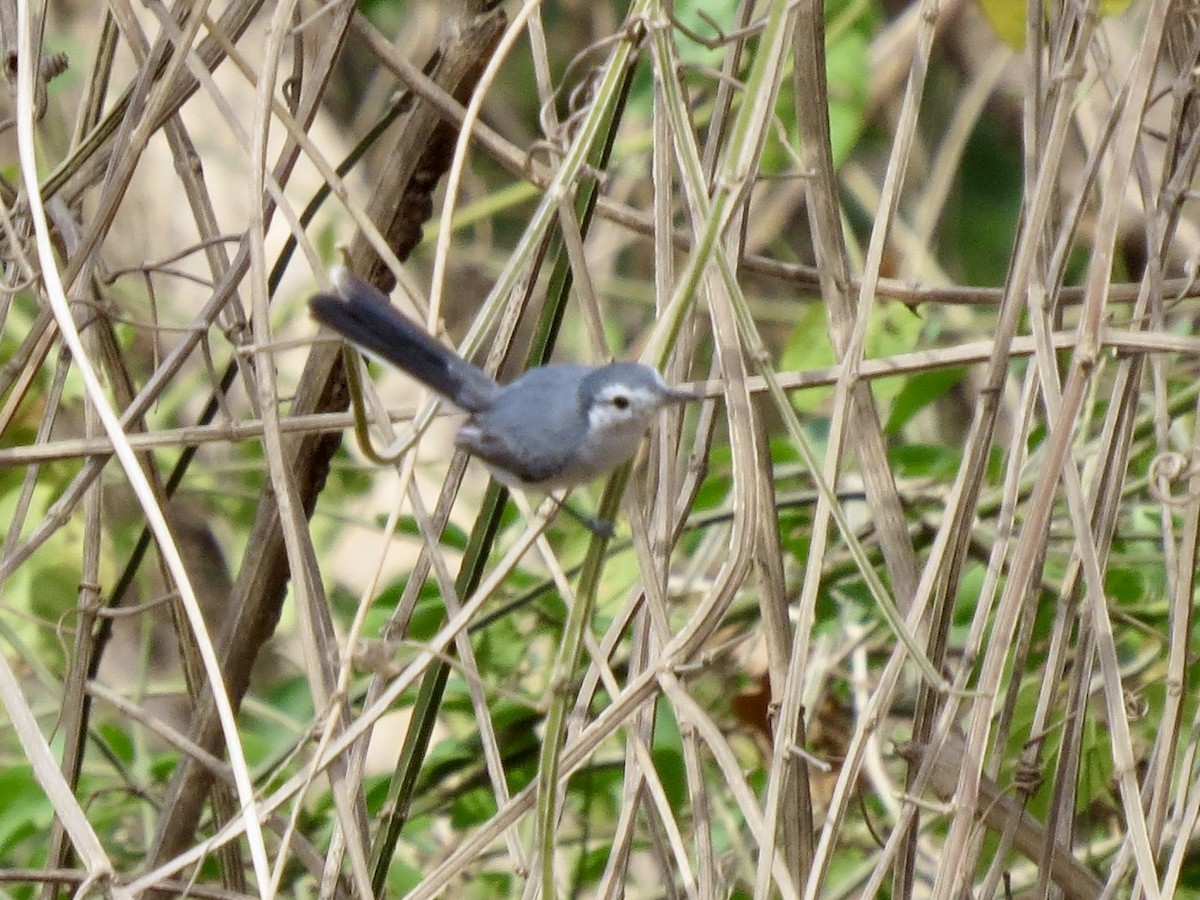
pixel 554 426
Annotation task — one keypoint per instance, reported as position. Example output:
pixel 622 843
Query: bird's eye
pixel 620 401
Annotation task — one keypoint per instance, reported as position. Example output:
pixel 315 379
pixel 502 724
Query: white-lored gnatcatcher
pixel 554 426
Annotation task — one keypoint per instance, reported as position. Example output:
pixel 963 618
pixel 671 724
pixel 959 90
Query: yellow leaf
pixel 1007 17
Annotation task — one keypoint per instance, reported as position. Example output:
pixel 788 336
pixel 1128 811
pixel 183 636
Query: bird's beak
pixel 676 395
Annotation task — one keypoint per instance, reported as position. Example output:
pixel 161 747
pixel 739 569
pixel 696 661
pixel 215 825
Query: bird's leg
pixel 597 526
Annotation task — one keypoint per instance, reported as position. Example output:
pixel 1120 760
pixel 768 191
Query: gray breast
pixel 534 428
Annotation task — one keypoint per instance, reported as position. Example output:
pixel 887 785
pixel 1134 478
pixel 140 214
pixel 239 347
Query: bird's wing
pixel 511 464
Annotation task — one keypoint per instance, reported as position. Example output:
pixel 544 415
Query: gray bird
pixel 554 426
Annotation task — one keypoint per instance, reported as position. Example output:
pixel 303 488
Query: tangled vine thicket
pixel 904 607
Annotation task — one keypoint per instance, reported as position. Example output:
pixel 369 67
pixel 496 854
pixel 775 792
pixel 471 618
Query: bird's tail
pixel 362 315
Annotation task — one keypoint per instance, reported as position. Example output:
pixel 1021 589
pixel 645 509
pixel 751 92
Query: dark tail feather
pixel 363 316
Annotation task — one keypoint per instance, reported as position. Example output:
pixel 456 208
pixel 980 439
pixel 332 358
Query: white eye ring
pixel 620 401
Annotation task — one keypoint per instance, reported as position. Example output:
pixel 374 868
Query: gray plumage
pixel 553 426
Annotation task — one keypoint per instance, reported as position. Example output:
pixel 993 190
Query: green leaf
pixel 472 808
pixel 918 392
pixel 925 461
pixel 808 347
pixel 847 71
pixel 24 812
